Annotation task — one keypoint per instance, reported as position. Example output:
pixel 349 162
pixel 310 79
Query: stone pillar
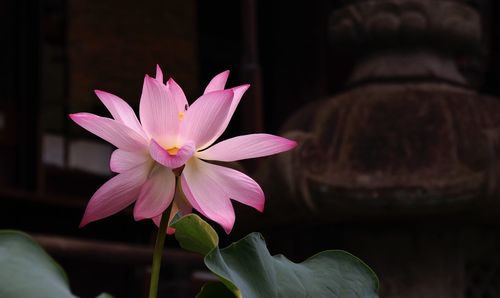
pixel 395 166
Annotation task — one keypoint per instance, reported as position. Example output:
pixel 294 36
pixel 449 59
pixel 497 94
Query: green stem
pixel 158 252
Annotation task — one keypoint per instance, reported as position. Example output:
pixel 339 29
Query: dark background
pixel 54 53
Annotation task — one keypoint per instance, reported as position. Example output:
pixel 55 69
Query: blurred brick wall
pixel 113 43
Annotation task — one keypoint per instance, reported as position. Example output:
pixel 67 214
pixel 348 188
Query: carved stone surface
pixel 410 136
pixel 397 146
pixel 400 65
pixel 394 167
pixel 390 22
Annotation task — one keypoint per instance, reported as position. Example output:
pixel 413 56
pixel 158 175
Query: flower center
pixel 181 115
pixel 173 151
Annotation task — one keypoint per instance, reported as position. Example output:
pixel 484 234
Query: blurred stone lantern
pixel 402 165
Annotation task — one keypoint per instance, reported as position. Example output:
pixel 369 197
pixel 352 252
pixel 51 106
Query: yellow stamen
pixel 181 115
pixel 173 151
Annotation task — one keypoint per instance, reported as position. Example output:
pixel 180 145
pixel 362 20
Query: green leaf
pixel 248 264
pixel 194 234
pixel 215 289
pixel 247 268
pixel 27 270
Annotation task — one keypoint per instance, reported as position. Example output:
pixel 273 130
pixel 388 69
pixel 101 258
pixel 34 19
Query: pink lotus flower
pixel 170 136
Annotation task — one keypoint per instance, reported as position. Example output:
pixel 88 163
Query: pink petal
pixel 235 184
pixel 247 146
pixel 156 194
pixel 159 74
pixel 218 82
pixel 157 220
pixel 158 112
pixel 115 195
pixel 188 194
pixel 206 195
pixel 179 204
pixel 111 130
pixel 162 156
pixel 238 93
pixel 120 110
pixel 205 117
pixel 122 160
pixel 178 94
